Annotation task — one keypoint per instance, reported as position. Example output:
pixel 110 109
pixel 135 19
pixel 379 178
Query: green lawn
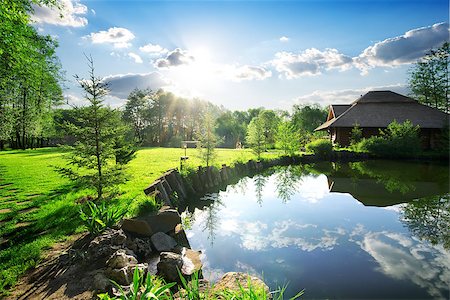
pixel 39 207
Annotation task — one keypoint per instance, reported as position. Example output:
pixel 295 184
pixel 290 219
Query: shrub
pixel 97 217
pixel 320 147
pixel 398 140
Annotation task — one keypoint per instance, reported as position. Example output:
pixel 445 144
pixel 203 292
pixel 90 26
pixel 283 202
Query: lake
pixel 374 229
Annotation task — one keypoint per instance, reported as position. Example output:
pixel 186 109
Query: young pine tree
pixel 256 136
pixel 208 140
pixel 97 157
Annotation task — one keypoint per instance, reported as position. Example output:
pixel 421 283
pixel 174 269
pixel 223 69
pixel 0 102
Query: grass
pixel 38 207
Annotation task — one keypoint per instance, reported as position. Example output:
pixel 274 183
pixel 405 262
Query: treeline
pixel 30 75
pixel 163 119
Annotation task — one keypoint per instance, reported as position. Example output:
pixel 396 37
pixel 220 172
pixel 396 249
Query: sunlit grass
pixel 39 207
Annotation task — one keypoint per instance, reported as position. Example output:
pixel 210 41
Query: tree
pixel 355 134
pixel 256 137
pixel 96 159
pixel 429 78
pixel 308 117
pixel 136 112
pixel 208 140
pixel 269 120
pixel 287 138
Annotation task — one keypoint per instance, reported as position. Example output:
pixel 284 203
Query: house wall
pixel 429 137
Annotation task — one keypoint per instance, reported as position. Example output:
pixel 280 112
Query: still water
pixel 375 229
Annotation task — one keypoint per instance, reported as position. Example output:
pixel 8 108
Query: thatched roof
pixel 379 108
pixel 338 109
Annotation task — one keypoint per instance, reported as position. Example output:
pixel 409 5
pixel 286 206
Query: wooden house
pixel 376 110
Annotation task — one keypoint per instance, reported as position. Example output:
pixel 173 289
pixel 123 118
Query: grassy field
pixel 38 207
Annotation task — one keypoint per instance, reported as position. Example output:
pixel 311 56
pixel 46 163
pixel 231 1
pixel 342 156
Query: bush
pixel 398 140
pixel 321 147
pixel 97 217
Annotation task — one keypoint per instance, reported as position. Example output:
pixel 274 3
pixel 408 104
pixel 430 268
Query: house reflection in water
pixel 372 185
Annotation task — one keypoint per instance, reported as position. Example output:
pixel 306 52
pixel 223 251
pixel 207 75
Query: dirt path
pixel 57 276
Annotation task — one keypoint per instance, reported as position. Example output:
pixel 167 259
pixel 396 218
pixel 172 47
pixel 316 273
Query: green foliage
pixel 429 78
pixel 97 157
pixel 355 135
pixel 136 112
pixel 208 140
pixel 321 147
pixel 98 217
pixel 150 288
pixel 256 137
pixel 287 138
pixel 398 140
pixel 308 117
pixel 29 77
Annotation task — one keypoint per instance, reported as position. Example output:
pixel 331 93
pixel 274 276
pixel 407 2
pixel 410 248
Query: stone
pixel 104 245
pixel 191 261
pixel 180 236
pixel 164 221
pixel 124 276
pixel 141 247
pixel 121 258
pixel 168 266
pixel 101 282
pixel 139 227
pixel 163 242
pixel 232 280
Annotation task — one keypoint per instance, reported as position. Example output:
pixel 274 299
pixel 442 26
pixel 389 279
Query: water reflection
pixel 429 219
pixel 302 224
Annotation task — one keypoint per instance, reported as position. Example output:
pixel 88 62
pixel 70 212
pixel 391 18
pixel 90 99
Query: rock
pixel 163 242
pixel 121 258
pixel 164 221
pixel 191 261
pixel 187 263
pixel 180 236
pixel 124 276
pixel 104 245
pixel 168 266
pixel 138 227
pixel 232 280
pixel 141 247
pixel 101 282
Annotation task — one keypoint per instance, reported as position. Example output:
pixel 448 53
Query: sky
pixel 245 54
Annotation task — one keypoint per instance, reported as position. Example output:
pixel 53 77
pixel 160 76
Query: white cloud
pixel 310 62
pixel 71 13
pixel 246 72
pixel 398 257
pixel 119 37
pixel 153 49
pixel 175 58
pixel 121 85
pixel 93 12
pixel 403 49
pixel 284 39
pixel 137 58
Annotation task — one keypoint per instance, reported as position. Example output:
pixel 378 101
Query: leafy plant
pixel 151 288
pixel 97 217
pixel 321 147
pixel 191 289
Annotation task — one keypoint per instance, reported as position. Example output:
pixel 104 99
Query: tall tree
pixel 208 140
pixel 256 137
pixel 287 138
pixel 308 117
pixel 97 130
pixel 136 112
pixel 429 78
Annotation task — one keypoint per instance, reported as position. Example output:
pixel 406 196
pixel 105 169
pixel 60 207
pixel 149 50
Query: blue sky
pixel 243 54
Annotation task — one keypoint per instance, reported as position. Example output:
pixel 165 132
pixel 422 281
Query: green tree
pixel 256 137
pixel 94 160
pixel 269 120
pixel 208 140
pixel 355 134
pixel 287 138
pixel 308 117
pixel 136 112
pixel 429 78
